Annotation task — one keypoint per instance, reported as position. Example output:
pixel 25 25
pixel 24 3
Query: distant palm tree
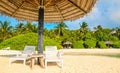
pixel 20 28
pixel 29 27
pixel 118 32
pixel 52 34
pixel 35 28
pixel 83 27
pixel 99 28
pixel 99 34
pixel 82 31
pixel 46 32
pixel 60 29
pixel 5 30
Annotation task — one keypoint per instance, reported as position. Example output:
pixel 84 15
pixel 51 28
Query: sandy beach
pixel 72 64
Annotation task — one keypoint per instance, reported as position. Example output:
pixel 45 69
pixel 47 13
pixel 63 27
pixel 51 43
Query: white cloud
pixel 115 12
pixel 115 16
pixel 94 14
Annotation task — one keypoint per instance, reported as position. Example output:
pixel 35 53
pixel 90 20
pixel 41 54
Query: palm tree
pixel 84 25
pixel 60 29
pixel 102 34
pixel 5 30
pixel 46 32
pixel 35 29
pixel 99 27
pixel 20 28
pixel 29 27
pixel 82 31
pixel 118 32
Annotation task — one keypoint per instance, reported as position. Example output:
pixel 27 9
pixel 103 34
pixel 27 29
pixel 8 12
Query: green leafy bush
pixel 78 44
pixel 89 43
pixel 116 44
pixel 114 38
pixel 51 42
pixel 102 44
pixel 20 41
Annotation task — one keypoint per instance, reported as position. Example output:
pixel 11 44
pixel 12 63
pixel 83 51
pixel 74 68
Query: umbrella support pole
pixel 40 31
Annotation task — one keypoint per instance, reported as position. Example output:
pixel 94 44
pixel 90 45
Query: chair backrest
pixel 29 50
pixel 51 51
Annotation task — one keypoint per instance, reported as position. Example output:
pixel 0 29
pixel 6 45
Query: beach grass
pixel 106 55
pixel 109 55
pixel 116 55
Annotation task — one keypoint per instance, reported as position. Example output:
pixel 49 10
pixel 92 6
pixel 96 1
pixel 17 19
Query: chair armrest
pixel 18 54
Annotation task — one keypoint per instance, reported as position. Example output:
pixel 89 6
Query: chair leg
pixel 10 62
pixel 45 64
pixel 61 63
pixel 24 62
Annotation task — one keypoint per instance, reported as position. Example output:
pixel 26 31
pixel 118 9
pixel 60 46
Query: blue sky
pixel 105 13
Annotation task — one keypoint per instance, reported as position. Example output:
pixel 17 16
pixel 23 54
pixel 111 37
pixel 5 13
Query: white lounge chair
pixel 52 55
pixel 25 55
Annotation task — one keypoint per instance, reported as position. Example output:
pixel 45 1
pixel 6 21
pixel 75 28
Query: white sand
pixel 72 64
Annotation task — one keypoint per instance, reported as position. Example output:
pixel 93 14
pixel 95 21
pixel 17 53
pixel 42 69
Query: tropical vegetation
pixel 27 34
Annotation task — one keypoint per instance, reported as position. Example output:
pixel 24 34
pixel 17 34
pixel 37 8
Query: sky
pixel 105 13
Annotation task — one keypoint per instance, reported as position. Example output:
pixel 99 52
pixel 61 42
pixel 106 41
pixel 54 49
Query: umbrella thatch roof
pixel 54 10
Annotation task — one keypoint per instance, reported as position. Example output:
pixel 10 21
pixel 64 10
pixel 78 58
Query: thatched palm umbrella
pixel 109 43
pixel 45 10
pixel 67 44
